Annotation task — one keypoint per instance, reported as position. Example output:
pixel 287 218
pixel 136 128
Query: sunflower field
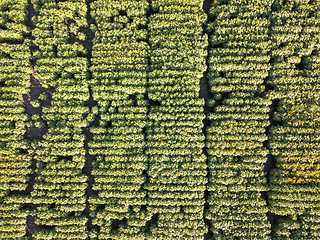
pixel 159 119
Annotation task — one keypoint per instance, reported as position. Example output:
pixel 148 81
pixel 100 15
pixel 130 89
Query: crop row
pixel 119 83
pixel 294 138
pixel 60 185
pixel 238 65
pixel 14 83
pixel 177 165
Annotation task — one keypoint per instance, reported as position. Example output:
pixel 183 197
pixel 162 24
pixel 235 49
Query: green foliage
pixel 146 119
pixel 35 103
pixel 13 19
pixel 177 169
pixel 119 69
pixel 15 164
pixel 293 142
pixel 238 66
pixel 60 153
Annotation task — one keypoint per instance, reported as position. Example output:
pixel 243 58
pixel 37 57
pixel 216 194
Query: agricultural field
pixel 159 119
